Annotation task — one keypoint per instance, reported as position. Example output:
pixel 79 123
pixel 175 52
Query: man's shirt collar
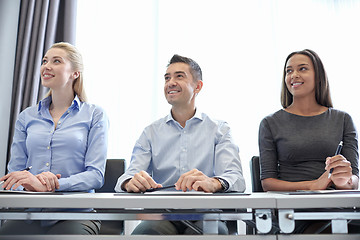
pixel 197 115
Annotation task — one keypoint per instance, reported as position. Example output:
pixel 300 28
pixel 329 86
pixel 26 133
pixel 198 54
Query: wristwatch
pixel 224 184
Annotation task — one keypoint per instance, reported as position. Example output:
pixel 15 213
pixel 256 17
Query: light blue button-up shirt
pixel 166 150
pixel 76 149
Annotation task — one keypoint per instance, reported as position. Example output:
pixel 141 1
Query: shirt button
pixel 47 164
pixel 59 122
pixel 184 149
pixel 48 147
pixel 184 131
pixel 68 111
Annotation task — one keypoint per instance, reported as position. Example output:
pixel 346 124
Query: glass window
pixel 240 45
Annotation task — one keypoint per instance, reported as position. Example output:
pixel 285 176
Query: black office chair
pixel 114 169
pixel 256 187
pixel 255 174
pixel 255 170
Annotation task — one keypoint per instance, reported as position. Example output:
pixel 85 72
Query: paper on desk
pixel 2 191
pixel 178 193
pixel 310 192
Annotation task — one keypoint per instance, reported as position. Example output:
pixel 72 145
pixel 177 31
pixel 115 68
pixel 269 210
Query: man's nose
pixel 171 82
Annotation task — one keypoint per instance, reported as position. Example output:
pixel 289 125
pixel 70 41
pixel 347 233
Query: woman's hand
pixel 50 180
pixel 24 178
pixel 322 183
pixel 273 184
pixel 342 170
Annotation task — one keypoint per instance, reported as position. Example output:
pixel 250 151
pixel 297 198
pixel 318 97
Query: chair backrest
pixel 114 169
pixel 255 174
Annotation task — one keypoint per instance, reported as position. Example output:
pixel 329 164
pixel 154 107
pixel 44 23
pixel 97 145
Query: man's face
pixel 180 88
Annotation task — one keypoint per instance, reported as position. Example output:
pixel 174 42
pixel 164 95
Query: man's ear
pixel 199 86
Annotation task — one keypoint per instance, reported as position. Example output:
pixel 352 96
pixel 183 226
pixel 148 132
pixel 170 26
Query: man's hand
pixel 140 182
pixel 198 181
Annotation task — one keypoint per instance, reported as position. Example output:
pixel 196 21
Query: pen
pixel 338 150
pixel 25 169
pixel 158 189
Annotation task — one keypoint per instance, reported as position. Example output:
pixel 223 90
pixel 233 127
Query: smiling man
pixel 186 149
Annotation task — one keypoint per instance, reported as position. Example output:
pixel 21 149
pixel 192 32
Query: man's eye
pixel 180 76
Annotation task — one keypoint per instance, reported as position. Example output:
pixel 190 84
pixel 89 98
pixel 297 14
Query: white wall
pixel 9 14
pixel 241 47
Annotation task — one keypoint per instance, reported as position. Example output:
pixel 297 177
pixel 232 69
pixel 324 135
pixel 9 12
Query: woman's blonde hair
pixel 76 60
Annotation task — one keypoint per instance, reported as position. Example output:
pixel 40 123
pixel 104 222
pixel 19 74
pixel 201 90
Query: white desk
pixel 336 207
pixel 189 207
pixel 145 207
pixel 147 201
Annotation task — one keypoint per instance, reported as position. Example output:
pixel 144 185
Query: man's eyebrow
pixel 177 72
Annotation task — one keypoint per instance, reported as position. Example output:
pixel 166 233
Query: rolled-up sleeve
pixel 227 160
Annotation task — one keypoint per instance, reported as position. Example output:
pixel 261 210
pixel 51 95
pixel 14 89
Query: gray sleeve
pixel 268 152
pixel 350 149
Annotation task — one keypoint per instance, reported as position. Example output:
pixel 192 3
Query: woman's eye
pixel 44 61
pixel 289 71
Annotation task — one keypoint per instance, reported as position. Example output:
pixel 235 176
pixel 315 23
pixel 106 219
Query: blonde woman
pixel 63 139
